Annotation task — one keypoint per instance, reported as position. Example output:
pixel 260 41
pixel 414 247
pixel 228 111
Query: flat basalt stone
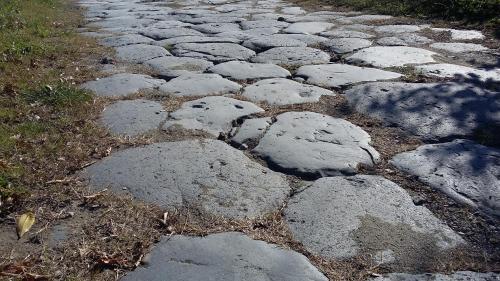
pixel 213 115
pixel 342 217
pixel 195 39
pixel 208 175
pixel 445 70
pixel 122 40
pixel 293 56
pixel 271 41
pixel 392 29
pixel 140 53
pixel 159 34
pixel 316 145
pixel 203 84
pixel 217 27
pixel 308 27
pixel 337 75
pixel 251 130
pixel 346 45
pixel 432 111
pixel 340 33
pixel 133 117
pixel 222 257
pixel 459 47
pixel 382 56
pixel 122 84
pixel 281 91
pixel 240 70
pixel 171 66
pixel 217 52
pixel 263 24
pixel 462 169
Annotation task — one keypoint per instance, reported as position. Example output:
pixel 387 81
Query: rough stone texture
pixel 341 217
pixel 123 84
pixel 217 27
pixel 195 39
pixel 223 257
pixel 457 34
pixel 463 72
pixel 139 53
pixel 133 117
pixel 404 39
pixel 458 47
pixel 465 171
pixel 364 18
pixel 308 27
pixel 314 144
pixel 211 114
pixel 340 33
pixel 122 40
pixel 160 33
pixel 171 66
pixel 263 24
pixel 346 45
pixel 284 91
pixel 457 276
pixel 430 110
pixel 217 52
pixel 337 75
pixel 251 130
pixel 206 174
pixel 250 33
pixel 199 85
pixel 382 56
pixel 271 41
pixel 392 29
pixel 293 56
pixel 240 70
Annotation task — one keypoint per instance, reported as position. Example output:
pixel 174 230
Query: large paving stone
pixel 217 52
pixel 127 39
pixel 122 84
pixel 383 56
pixel 140 53
pixel 341 217
pixel 457 34
pixel 217 27
pixel 432 111
pixel 457 276
pixel 313 144
pixel 281 91
pixel 263 24
pixel 213 115
pixel 241 70
pixel 338 75
pixel 292 56
pixel 249 33
pixel 206 174
pixel 226 256
pixel 271 41
pixel 346 45
pixel 392 29
pixel 445 70
pixel 462 169
pixel 160 33
pixel 133 117
pixel 195 39
pixel 404 39
pixel 204 84
pixel 251 130
pixel 341 33
pixel 459 47
pixel 309 39
pixel 171 66
pixel 308 27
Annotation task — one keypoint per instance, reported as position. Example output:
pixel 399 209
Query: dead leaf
pixel 24 223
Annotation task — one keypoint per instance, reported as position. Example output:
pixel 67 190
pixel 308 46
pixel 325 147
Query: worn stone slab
pixel 404 39
pixel 217 52
pixel 139 53
pixel 133 117
pixel 224 257
pixel 457 276
pixel 313 27
pixel 346 45
pixel 215 19
pixel 123 84
pixel 385 56
pixel 263 24
pixel 462 169
pixel 203 84
pixel 293 10
pixel 432 111
pixel 251 130
pixel 208 175
pixel 457 34
pixel 281 91
pixel 217 27
pixel 338 75
pixel 293 56
pixel 341 217
pixel 317 145
pixel 171 66
pixel 309 39
pixel 160 33
pixel 446 70
pixel 195 39
pixel 241 70
pixel 341 33
pixel 263 43
pixel 249 33
pixel 401 28
pixel 127 39
pixel 211 114
pixel 459 47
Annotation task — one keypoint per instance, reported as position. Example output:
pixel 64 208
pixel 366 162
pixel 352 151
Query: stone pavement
pixel 239 71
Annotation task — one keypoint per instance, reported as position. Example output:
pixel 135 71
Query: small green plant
pixel 59 96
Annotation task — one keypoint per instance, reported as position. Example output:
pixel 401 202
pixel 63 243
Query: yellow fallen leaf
pixel 24 223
